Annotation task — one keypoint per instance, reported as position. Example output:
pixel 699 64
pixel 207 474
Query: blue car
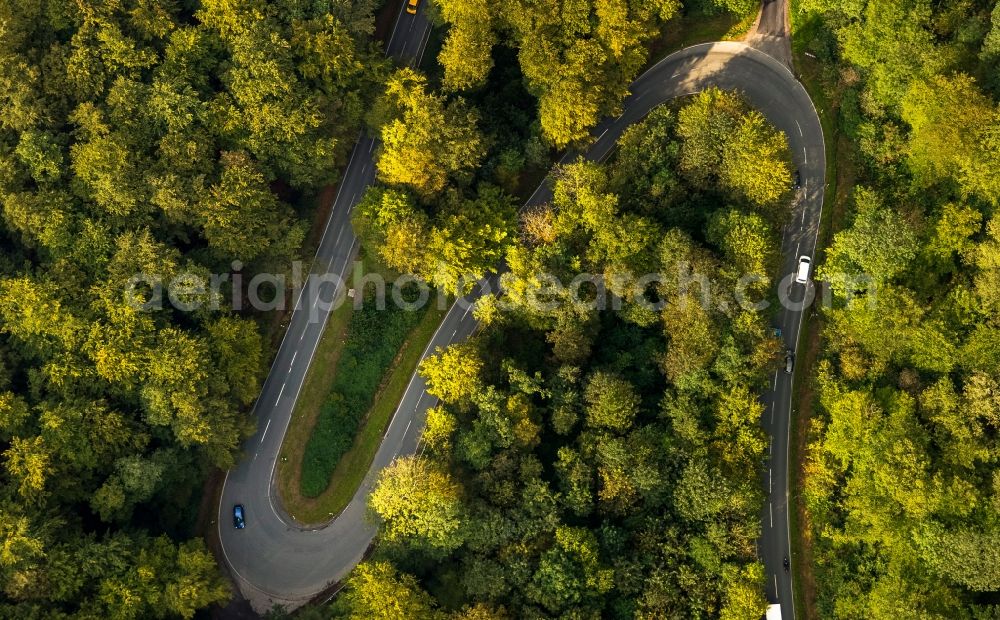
pixel 238 521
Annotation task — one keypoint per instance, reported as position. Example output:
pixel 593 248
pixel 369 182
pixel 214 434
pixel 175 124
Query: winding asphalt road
pixel 276 561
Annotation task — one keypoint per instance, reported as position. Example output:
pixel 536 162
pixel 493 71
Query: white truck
pixel 773 612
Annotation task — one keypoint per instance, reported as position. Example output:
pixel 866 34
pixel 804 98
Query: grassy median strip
pixel 371 343
pixel 354 464
pixel 360 371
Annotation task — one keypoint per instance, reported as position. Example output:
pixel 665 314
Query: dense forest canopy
pixel 562 478
pixel 146 136
pixel 902 484
pixel 581 463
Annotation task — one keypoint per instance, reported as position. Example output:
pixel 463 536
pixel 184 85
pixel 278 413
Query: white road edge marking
pixel 770 511
pixel 799 126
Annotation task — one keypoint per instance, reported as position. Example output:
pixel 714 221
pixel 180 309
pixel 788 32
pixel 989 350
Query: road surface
pixel 276 561
pixel 771 33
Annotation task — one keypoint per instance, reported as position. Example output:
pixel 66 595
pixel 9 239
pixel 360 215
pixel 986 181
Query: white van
pixel 802 274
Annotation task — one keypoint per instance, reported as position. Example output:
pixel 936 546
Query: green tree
pixel 438 429
pixel 627 470
pixel 576 480
pixel 879 245
pixel 466 52
pixel 470 239
pixel 744 592
pixel 388 221
pixel 894 44
pixel 135 481
pixel 194 582
pixel 240 215
pixel 418 501
pixel 756 162
pixel 569 572
pixel 645 167
pixel 952 134
pixel 724 141
pixel 747 243
pixel 376 590
pixel 577 59
pixel 238 350
pixel 28 463
pixel 453 373
pixel 425 139
pixel 704 125
pixel 141 138
pixel 986 256
pixel 611 402
pixel 105 164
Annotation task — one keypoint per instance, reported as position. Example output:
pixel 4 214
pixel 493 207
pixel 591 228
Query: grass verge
pixel 687 30
pixel 358 362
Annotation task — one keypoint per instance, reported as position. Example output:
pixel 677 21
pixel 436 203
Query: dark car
pixel 798 180
pixel 238 521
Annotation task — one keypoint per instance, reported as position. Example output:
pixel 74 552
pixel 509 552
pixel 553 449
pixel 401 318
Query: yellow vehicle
pixel 411 6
